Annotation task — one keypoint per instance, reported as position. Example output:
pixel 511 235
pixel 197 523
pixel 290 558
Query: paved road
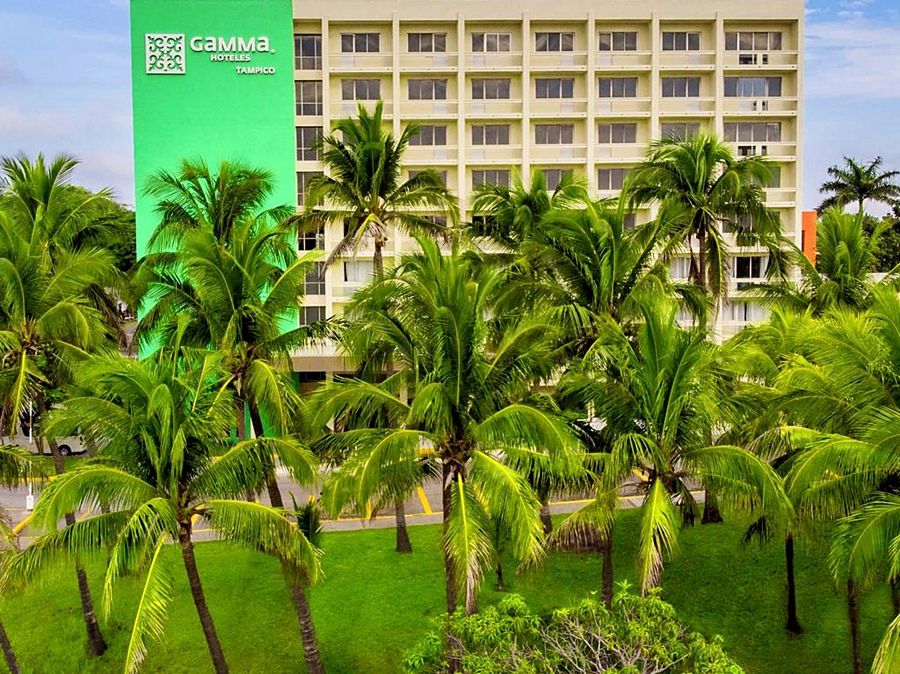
pixel 423 507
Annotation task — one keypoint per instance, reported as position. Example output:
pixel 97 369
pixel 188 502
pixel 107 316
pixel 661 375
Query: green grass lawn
pixel 374 604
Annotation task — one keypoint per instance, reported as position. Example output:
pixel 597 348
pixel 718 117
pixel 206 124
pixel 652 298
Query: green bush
pixel 637 635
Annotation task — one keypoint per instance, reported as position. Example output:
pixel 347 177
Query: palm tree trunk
pixel 545 515
pixel 607 589
pixel 449 576
pixel 378 256
pixel 8 653
pixel 853 612
pixel 404 545
pixel 240 421
pixel 711 512
pixel 272 484
pixel 895 595
pixel 96 642
pixel 501 586
pixel 307 630
pixel 206 621
pixel 793 624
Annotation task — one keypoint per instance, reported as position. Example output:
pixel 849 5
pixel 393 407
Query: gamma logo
pixel 164 53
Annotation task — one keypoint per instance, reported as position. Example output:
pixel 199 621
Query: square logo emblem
pixel 164 53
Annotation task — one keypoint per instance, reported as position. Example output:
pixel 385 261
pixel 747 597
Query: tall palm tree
pixel 362 187
pixel 242 296
pixel 858 182
pixel 510 215
pixel 842 275
pixel 47 323
pixel 159 433
pixel 470 407
pixel 660 394
pixel 199 197
pixel 700 186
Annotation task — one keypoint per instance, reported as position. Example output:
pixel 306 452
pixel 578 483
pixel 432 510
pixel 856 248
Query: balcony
pixel 359 62
pixel 783 151
pixel 559 154
pixel 496 107
pixel 428 109
pixel 774 60
pixel 687 60
pixel 781 105
pixel 559 60
pixel 623 60
pixel 632 152
pixel 430 154
pixel 558 107
pixel 344 290
pixel 623 106
pixel 494 154
pixel 503 61
pixel 781 197
pixel 687 106
pixel 412 62
pixel 342 108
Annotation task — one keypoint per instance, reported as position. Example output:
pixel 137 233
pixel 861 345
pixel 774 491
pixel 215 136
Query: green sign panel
pixel 212 79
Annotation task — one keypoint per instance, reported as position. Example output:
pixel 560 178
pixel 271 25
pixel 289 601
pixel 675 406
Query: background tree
pixel 857 182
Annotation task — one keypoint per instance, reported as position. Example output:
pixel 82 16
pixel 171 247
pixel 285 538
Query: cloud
pixel 857 58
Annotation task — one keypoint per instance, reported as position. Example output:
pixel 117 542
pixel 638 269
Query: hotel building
pixel 563 86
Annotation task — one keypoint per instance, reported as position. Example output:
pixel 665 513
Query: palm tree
pixel 46 324
pixel 242 295
pixel 198 197
pixel 701 187
pixel 660 394
pixel 159 433
pixel 510 215
pixel 470 407
pixel 362 188
pixel 842 275
pixel 859 182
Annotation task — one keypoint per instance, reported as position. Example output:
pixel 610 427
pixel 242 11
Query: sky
pixel 65 86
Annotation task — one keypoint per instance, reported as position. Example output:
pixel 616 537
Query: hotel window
pixel 753 132
pixel 679 130
pixel 499 177
pixel 360 42
pixel 745 312
pixel 774 178
pixel 427 90
pixel 426 42
pixel 554 41
pixel 680 41
pixel 309 98
pixel 618 87
pixel 490 42
pixel 740 224
pixel 752 86
pixel 618 41
pixel 554 87
pixel 553 177
pixel 490 134
pixel 358 271
pixel 554 134
pixel 360 90
pixel 680 268
pixel 308 139
pixel 490 89
pixel 617 133
pixel 681 87
pixel 629 221
pixel 611 178
pixel 315 280
pixel 441 175
pixel 429 134
pixel 308 52
pixel 313 240
pixel 303 180
pixel 748 270
pixel 310 315
pixel 752 41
